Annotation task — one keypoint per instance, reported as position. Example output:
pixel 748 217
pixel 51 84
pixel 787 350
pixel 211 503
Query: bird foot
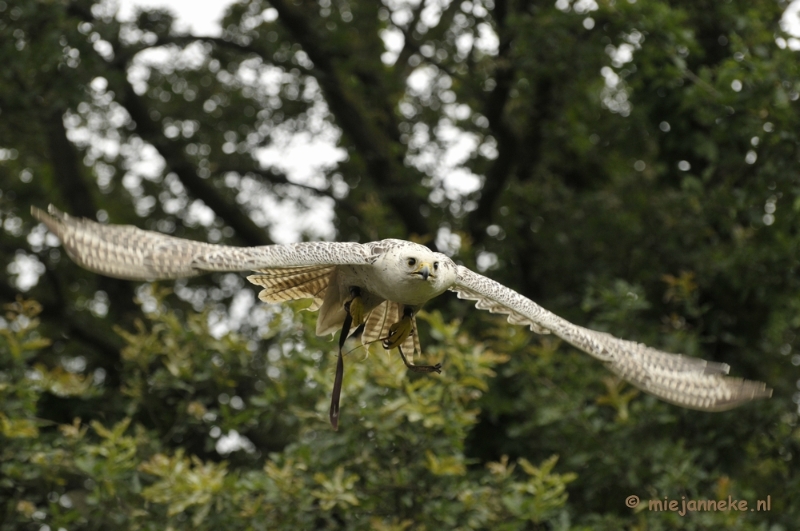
pixel 420 368
pixel 355 307
pixel 398 333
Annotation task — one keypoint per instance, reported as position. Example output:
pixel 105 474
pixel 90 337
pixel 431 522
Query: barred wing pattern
pixel 294 283
pixel 376 328
pixel 311 282
pixel 127 252
pixel 688 382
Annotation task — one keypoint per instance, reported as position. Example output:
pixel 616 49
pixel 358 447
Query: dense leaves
pixel 404 433
pixel 630 165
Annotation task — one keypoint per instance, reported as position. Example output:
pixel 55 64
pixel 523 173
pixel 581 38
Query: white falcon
pixel 380 286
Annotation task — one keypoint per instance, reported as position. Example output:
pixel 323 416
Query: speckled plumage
pixel 325 272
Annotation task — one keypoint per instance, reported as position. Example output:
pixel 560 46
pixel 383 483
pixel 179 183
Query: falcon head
pixel 422 267
pixel 416 271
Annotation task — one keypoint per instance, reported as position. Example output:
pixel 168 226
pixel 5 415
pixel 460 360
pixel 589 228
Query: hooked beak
pixel 424 270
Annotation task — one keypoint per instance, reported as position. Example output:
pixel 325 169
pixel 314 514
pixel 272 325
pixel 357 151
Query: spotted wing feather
pixel 125 251
pixel 689 382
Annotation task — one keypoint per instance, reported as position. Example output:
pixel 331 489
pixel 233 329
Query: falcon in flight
pixel 378 287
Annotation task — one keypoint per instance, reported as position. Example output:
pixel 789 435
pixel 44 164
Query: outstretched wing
pixel 689 382
pixel 125 251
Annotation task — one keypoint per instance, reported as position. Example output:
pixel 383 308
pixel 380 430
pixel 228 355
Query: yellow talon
pixel 356 310
pixel 398 333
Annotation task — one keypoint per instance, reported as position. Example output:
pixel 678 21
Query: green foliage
pixel 402 432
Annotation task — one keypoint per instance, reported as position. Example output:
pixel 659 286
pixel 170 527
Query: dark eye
pixel 412 262
pixel 435 266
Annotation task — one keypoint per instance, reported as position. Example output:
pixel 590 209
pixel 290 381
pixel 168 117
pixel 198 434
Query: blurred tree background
pixel 632 166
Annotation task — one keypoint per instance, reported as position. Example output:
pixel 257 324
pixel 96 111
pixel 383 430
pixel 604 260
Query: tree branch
pixel 150 131
pixel 67 167
pixel 384 168
pixel 203 189
pixel 274 177
pixel 410 44
pixel 507 143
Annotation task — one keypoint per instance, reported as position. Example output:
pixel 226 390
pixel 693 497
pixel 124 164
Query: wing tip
pixel 52 212
pixel 54 219
pixel 40 214
pixel 753 390
pixel 759 390
pixel 741 392
pixel 745 391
